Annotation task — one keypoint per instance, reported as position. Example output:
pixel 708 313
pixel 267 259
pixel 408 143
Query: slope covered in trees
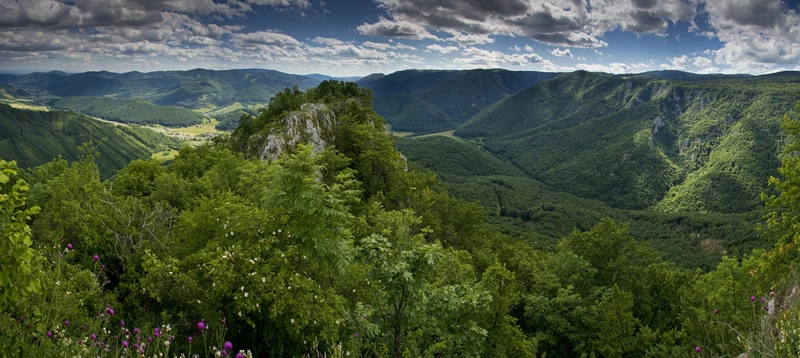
pixel 193 89
pixel 33 138
pixel 136 111
pixel 424 101
pixel 643 142
pixel 334 248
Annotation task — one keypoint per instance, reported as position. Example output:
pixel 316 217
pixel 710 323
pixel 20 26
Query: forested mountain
pixel 137 111
pixel 33 138
pixel 193 89
pixel 422 101
pixel 641 141
pixel 305 233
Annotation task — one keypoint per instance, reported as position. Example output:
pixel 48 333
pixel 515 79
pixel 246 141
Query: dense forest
pixel 267 242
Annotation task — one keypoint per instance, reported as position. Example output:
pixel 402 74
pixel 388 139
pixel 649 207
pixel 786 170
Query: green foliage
pixel 131 111
pixel 33 138
pixel 19 264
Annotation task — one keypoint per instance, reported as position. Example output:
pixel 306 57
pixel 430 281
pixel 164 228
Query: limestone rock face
pixel 314 124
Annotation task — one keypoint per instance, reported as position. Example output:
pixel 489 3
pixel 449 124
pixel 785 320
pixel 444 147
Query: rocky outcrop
pixel 313 124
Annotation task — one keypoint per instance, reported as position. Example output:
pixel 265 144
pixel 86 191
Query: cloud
pixel 476 57
pixel 380 46
pixel 762 39
pixel 441 49
pixel 264 38
pixel 698 64
pixel 328 41
pixel 385 46
pixel 470 39
pixel 389 28
pixel 561 53
pixel 616 67
pixel 573 23
pixel 528 48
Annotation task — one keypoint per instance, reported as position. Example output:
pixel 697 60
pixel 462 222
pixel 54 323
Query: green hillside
pixel 640 142
pixel 529 209
pixel 306 233
pixel 194 89
pixel 33 138
pixel 424 101
pixel 137 111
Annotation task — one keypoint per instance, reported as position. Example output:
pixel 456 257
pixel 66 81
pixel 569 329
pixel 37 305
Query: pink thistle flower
pixel 190 339
pixel 69 246
pixel 201 325
pixel 93 336
pixel 111 312
pixel 49 334
pixel 228 345
pixel 697 349
pixel 96 258
pixel 125 344
pixel 66 322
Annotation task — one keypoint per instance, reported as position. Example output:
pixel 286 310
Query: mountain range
pixel 549 151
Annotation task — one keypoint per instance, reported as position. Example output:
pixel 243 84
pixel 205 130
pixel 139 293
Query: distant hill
pixel 33 138
pixel 194 89
pixel 423 101
pixel 321 77
pixel 137 111
pixel 540 214
pixel 643 142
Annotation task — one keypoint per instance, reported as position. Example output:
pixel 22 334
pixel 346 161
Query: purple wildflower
pixel 752 298
pixel 122 323
pixel 49 334
pixel 239 355
pixel 69 246
pixel 716 311
pixel 149 339
pixel 110 311
pixel 96 258
pixel 772 293
pixel 190 339
pixel 66 322
pixel 355 335
pixel 228 345
pixel 93 336
pixel 136 330
pixel 102 267
pixel 763 299
pixel 697 349
pixel 125 344
pixel 201 325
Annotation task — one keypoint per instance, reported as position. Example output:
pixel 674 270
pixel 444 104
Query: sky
pixel 359 37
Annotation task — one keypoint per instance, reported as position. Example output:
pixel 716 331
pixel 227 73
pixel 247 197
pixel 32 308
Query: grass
pixel 32 107
pixel 397 134
pixel 165 155
pixel 438 134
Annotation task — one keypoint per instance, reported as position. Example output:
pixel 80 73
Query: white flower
pixel 246 294
pixel 198 301
pixel 240 313
pixel 292 320
pixel 242 288
pixel 263 279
